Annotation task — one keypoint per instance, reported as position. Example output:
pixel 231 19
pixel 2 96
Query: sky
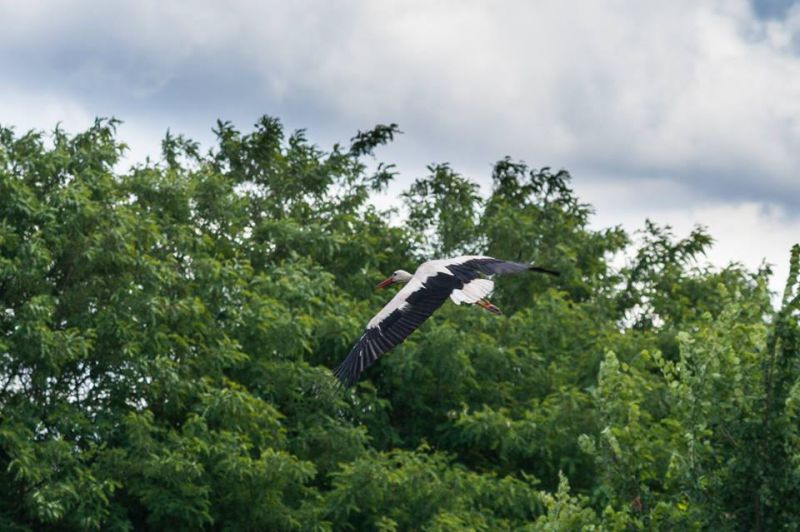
pixel 684 112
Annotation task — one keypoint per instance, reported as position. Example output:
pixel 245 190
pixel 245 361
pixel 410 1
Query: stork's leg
pixel 488 306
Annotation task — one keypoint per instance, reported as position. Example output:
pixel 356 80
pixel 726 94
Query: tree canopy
pixel 166 334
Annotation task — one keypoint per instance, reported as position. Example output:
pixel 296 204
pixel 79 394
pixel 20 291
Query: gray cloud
pixel 702 94
pixel 685 112
pixel 772 9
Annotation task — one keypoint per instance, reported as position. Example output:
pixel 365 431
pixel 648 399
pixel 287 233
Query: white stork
pixel 425 291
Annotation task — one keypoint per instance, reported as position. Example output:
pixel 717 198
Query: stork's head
pixel 399 276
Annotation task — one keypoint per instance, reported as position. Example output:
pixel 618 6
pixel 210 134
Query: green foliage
pixel 166 334
pixel 443 212
pixel 408 490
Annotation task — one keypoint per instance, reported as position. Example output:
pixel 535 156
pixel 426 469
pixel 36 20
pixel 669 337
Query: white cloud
pixel 41 110
pixel 749 233
pixel 684 90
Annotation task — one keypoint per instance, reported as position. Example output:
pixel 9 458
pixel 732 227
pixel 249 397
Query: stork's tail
pixel 544 270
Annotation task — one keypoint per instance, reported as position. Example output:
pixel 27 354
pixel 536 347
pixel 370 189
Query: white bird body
pixel 470 293
pixel 433 282
pixel 473 292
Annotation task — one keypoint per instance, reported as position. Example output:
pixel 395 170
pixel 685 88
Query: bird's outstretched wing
pixel 468 267
pixel 407 310
pixel 468 270
pixel 430 287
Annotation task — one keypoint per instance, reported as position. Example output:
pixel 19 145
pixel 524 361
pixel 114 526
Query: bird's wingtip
pixel 347 373
pixel 343 379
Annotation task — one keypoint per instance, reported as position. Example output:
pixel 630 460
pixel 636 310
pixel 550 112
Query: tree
pixel 166 334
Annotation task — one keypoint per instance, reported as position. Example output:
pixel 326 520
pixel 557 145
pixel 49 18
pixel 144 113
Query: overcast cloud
pixel 684 111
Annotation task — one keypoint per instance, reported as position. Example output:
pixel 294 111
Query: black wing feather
pixel 396 327
pixel 490 266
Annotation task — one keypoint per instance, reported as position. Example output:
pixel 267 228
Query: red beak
pixel 385 283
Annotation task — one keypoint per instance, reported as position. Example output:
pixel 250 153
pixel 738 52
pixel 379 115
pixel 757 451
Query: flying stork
pixel 459 278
